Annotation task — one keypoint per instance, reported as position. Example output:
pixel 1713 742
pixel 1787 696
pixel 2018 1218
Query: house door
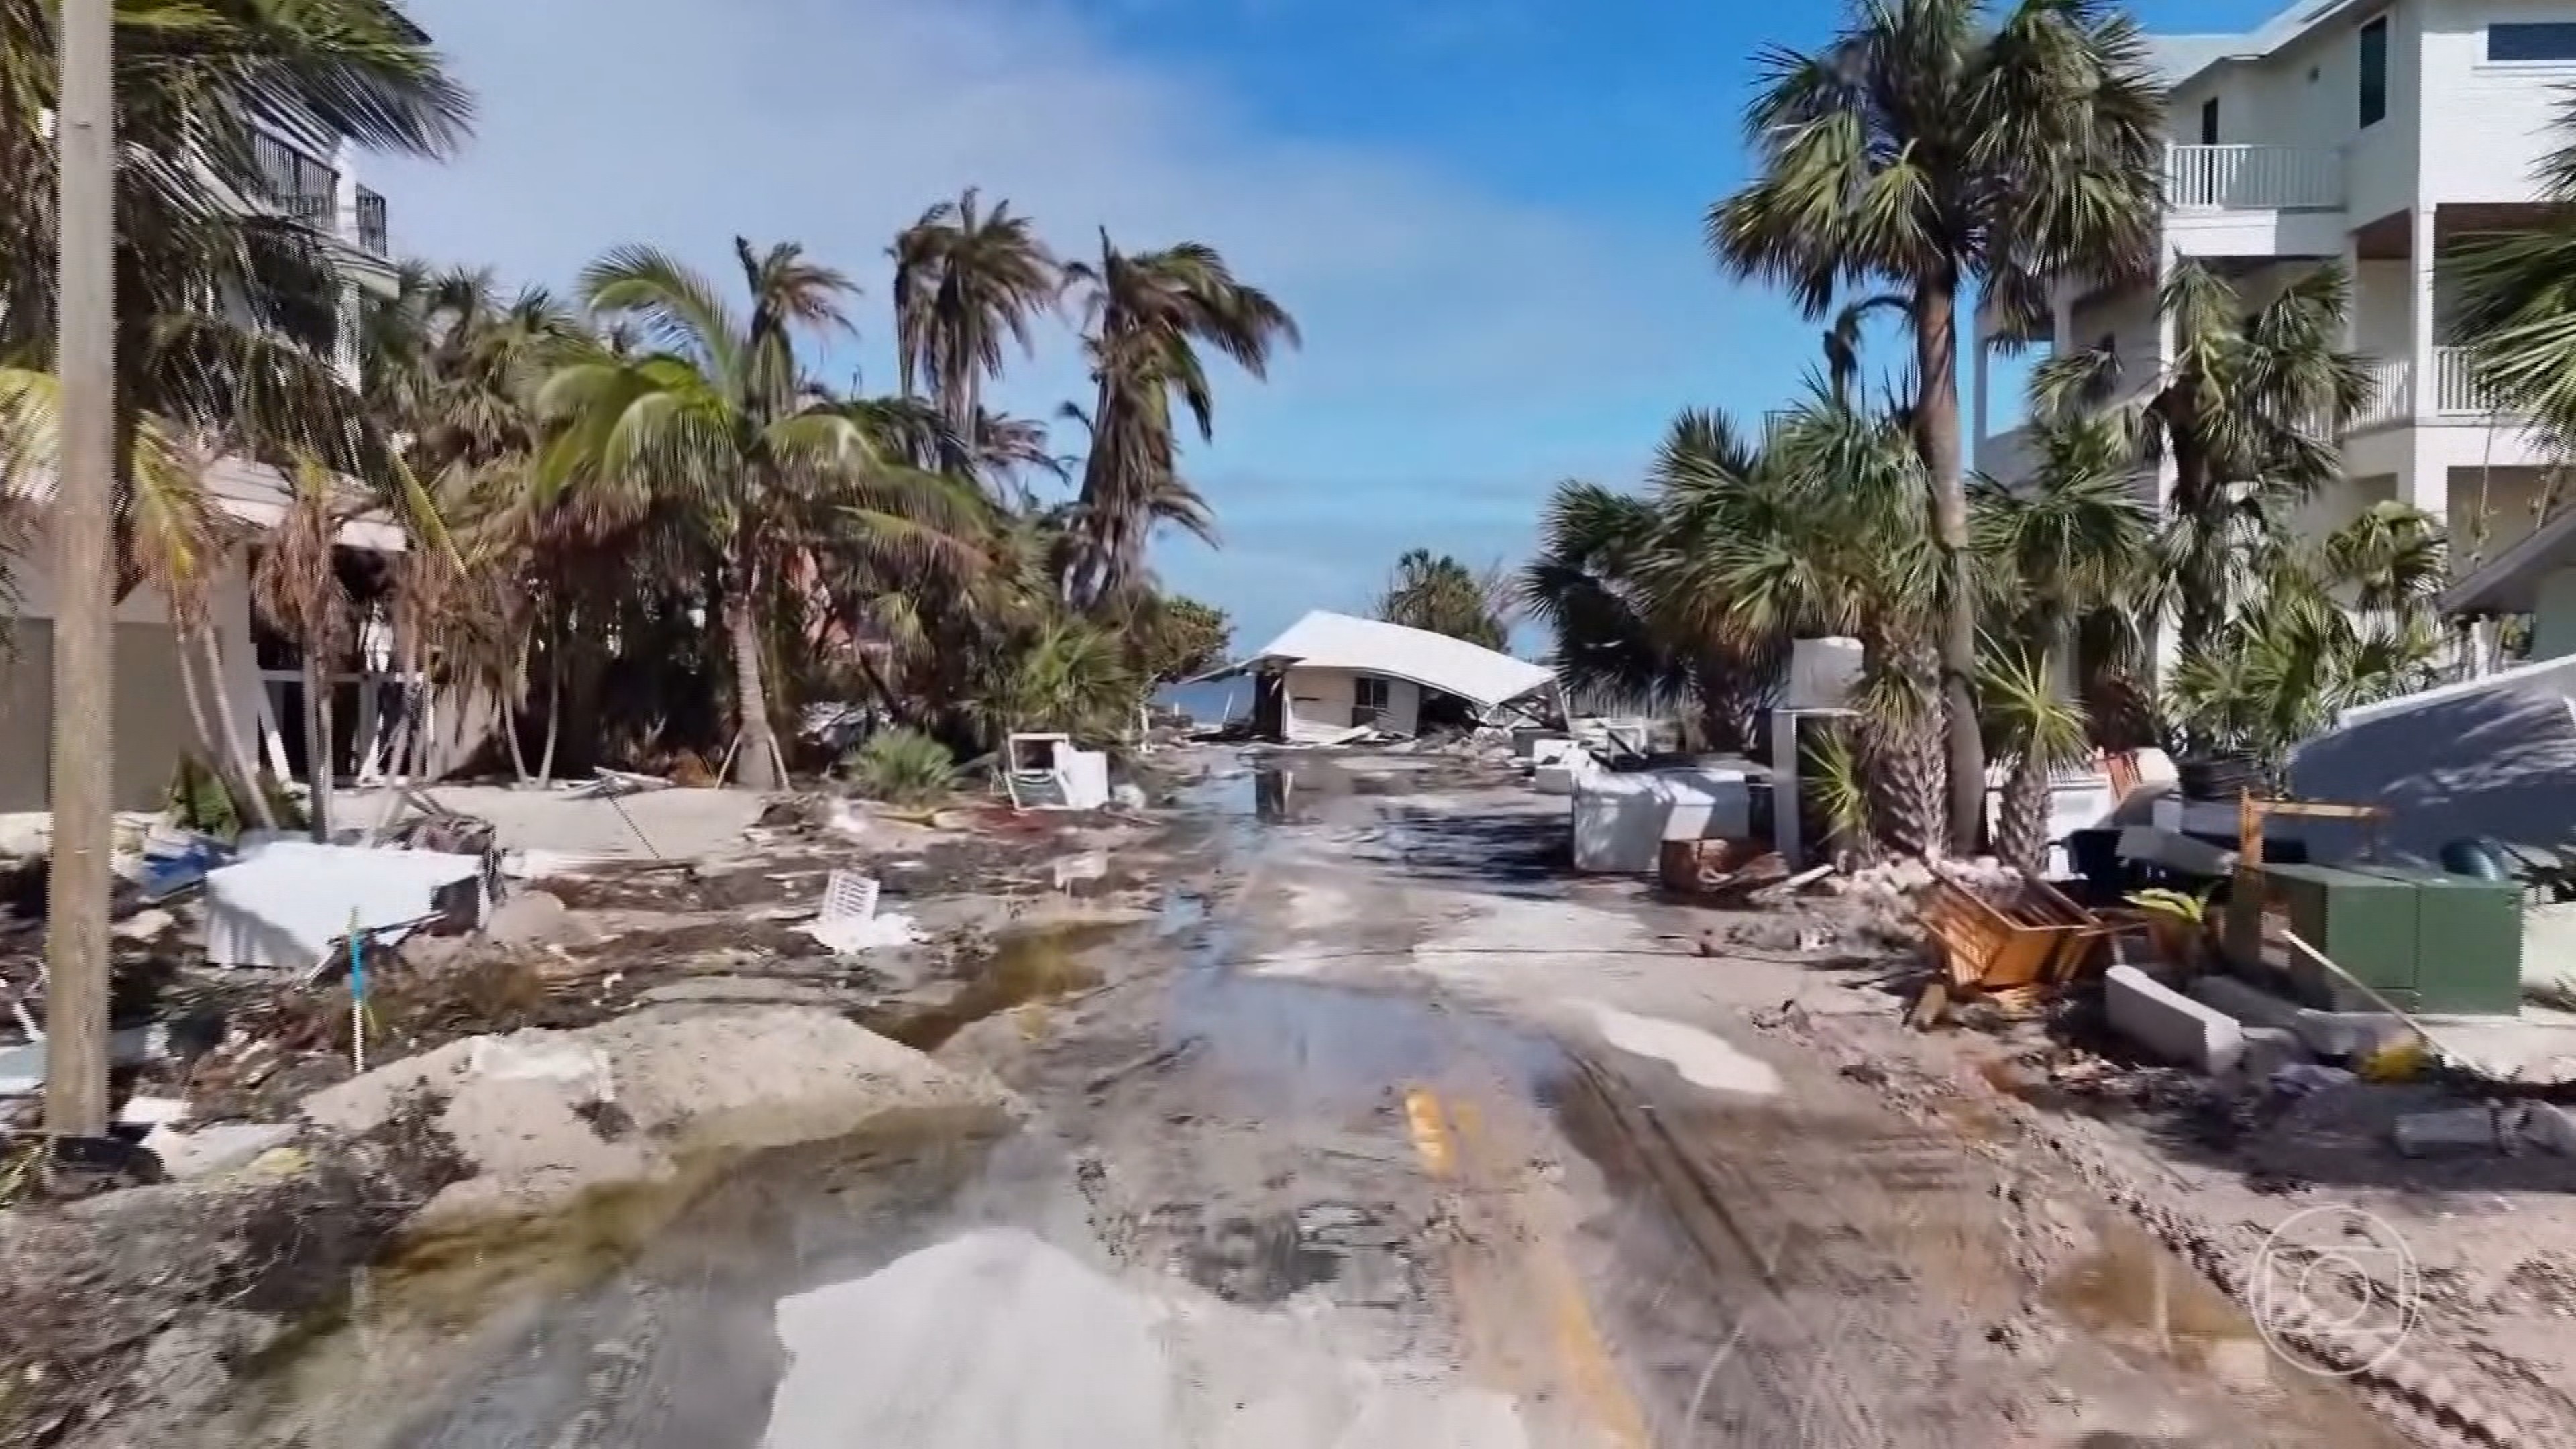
pixel 1368 699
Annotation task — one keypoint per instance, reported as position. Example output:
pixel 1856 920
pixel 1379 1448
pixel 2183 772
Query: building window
pixel 2374 72
pixel 2539 40
pixel 1369 699
pixel 2209 122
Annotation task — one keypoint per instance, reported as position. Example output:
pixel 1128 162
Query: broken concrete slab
pixel 2170 1024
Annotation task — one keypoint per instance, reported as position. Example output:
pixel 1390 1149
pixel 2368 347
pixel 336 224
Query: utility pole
pixel 84 579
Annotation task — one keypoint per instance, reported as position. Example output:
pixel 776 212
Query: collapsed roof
pixel 1325 640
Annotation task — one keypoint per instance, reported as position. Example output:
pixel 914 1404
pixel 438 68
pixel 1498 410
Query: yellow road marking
pixel 1583 1355
pixel 1430 1131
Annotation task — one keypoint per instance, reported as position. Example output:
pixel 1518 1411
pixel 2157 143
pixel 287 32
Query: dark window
pixel 2209 122
pixel 2549 40
pixel 2374 72
pixel 1370 699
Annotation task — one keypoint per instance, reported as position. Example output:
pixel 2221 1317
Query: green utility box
pixel 2468 942
pixel 2369 925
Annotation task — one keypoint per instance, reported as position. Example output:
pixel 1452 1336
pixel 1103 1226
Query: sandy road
pixel 1385 1136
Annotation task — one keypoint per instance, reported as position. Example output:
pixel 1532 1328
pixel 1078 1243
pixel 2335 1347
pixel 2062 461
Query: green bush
pixel 901 765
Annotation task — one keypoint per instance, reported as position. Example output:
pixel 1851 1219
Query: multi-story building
pixel 2378 134
pixel 315 180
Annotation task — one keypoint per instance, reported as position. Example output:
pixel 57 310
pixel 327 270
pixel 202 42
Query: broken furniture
pixel 2019 942
pixel 1047 772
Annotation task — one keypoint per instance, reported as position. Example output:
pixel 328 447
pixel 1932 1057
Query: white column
pixel 2419 300
pixel 2426 482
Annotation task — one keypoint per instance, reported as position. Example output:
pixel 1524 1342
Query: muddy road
pixel 1385 1133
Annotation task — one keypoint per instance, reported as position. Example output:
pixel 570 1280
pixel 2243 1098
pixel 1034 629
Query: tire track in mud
pixel 1805 1318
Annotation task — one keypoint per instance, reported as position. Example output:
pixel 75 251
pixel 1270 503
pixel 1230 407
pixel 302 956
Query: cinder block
pixel 2170 1024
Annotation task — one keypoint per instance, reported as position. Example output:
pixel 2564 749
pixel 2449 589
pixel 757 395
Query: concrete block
pixel 2454 1129
pixel 2170 1024
pixel 2550 1126
pixel 2248 1003
pixel 2270 1048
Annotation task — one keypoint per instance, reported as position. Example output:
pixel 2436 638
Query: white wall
pixel 1320 703
pixel 2491 125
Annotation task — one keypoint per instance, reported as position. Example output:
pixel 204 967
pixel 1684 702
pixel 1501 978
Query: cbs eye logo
pixel 2334 1291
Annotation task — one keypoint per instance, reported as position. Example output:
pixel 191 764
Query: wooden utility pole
pixel 84 579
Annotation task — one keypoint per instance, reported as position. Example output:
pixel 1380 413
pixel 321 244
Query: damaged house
pixel 1332 678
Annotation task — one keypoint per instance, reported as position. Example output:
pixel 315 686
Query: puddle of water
pixel 544 1331
pixel 1025 966
pixel 2133 1292
pixel 1703 1059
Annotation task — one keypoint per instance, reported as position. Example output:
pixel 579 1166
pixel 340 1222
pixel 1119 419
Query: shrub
pixel 901 765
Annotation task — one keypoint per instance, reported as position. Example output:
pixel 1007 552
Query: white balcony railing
pixel 2253 178
pixel 2392 394
pixel 2456 393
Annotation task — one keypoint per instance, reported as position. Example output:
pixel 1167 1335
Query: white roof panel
pixel 1325 640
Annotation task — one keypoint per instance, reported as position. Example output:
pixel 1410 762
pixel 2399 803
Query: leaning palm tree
pixel 721 424
pixel 1925 152
pixel 966 282
pixel 1145 317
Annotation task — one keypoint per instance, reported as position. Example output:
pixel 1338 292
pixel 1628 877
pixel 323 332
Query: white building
pixel 263 681
pixel 1331 675
pixel 2378 133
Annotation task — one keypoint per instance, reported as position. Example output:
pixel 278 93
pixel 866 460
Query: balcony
pixel 2253 178
pixel 2456 395
pixel 299 185
pixel 372 234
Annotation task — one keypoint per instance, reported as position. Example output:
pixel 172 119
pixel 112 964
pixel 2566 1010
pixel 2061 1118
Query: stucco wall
pixel 1320 702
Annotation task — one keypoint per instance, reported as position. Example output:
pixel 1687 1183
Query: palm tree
pixel 2321 627
pixel 1923 152
pixel 2072 540
pixel 1629 630
pixel 195 84
pixel 1444 596
pixel 2517 303
pixel 2248 412
pixel 1145 316
pixel 965 282
pixel 721 423
pixel 295 584
pixel 1830 541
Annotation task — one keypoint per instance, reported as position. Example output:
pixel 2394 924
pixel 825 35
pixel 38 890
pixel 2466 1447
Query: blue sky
pixel 1485 214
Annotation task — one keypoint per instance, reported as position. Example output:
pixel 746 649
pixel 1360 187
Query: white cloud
pixel 836 121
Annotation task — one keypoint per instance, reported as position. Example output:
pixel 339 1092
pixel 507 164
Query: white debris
pixel 206 1151
pixel 143 925
pixel 289 900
